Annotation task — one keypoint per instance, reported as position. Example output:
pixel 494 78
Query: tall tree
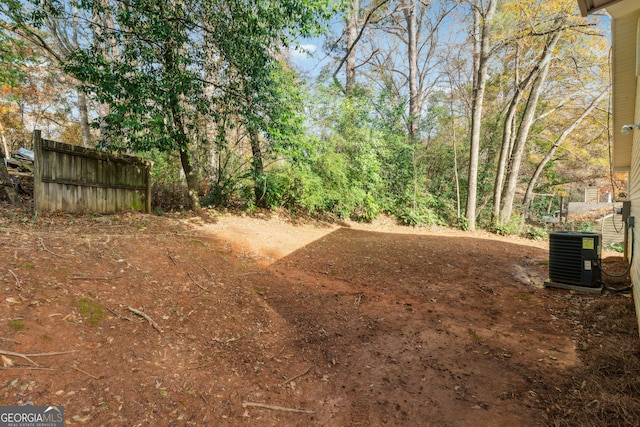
pixel 550 29
pixel 54 35
pixel 554 147
pixel 352 38
pixel 483 15
pixel 155 86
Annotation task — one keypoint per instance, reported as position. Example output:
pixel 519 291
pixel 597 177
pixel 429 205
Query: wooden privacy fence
pixel 76 179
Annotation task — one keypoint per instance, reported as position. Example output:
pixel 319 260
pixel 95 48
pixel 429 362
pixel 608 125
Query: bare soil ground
pixel 329 324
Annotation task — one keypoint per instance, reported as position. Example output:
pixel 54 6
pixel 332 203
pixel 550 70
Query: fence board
pixel 77 179
pixel 612 229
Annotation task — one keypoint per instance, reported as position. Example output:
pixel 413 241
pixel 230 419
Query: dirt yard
pixel 272 321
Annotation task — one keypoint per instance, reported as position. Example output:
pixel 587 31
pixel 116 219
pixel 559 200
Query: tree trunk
pixel 412 52
pixel 5 146
pixel 532 182
pixel 192 178
pixel 482 31
pixel 172 69
pixel 257 164
pixel 525 126
pixel 84 119
pixel 455 161
pixel 352 38
pixel 507 144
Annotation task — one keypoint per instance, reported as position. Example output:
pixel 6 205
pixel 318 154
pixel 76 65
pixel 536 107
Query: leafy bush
pixel 512 227
pixel 616 247
pixel 419 217
pixel 535 233
pixel 586 227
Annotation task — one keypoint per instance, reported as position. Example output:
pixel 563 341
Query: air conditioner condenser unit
pixel 574 261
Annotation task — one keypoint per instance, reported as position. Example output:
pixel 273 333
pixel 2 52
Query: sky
pixel 309 58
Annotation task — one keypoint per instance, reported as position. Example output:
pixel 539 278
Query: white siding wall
pixel 634 188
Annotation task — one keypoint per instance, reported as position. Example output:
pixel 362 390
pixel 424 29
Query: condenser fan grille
pixel 574 258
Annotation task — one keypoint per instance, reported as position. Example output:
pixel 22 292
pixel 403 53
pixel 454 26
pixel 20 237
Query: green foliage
pixel 616 247
pixel 586 227
pixel 338 174
pixel 169 70
pixel 16 325
pixel 418 217
pixel 13 54
pixel 513 227
pixel 540 206
pixel 536 233
pixel 91 311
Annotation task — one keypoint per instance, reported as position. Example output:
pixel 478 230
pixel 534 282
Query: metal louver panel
pixel 574 258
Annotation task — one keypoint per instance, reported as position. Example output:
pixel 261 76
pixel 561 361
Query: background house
pixel 625 35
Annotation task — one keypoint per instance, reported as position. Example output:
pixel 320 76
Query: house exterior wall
pixel 634 180
pixel 624 88
pixel 625 32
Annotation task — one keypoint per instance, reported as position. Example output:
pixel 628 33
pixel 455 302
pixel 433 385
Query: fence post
pixel 148 178
pixel 38 191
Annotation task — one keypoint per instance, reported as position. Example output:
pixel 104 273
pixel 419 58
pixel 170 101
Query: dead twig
pixel 275 407
pixel 201 366
pixel 211 276
pixel 84 372
pixel 47 250
pixel 94 278
pixel 23 356
pixel 196 283
pixel 28 368
pixel 28 357
pixel 120 315
pixel 18 286
pixel 146 316
pixel 271 357
pixel 171 258
pixel 53 353
pixel 297 376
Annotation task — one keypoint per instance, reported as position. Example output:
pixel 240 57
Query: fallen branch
pixel 28 368
pixel 171 258
pixel 276 408
pixel 18 286
pixel 95 278
pixel 23 356
pixel 84 372
pixel 211 276
pixel 120 315
pixel 202 366
pixel 297 376
pixel 45 248
pixel 146 316
pixel 53 353
pixel 271 357
pixel 28 356
pixel 196 283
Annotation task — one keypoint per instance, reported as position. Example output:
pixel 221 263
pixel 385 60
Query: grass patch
pixel 91 311
pixel 16 325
